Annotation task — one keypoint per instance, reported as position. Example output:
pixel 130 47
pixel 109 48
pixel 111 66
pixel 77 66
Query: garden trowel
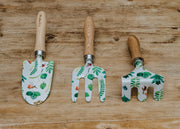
pixel 88 71
pixel 140 77
pixel 37 75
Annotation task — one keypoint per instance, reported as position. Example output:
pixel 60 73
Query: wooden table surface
pixel 155 22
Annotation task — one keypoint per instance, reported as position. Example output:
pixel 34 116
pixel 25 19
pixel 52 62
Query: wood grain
pixel 134 48
pixel 40 31
pixel 155 22
pixel 89 36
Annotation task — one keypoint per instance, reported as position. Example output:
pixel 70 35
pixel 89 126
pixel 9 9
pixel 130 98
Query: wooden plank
pixel 154 22
pixel 135 124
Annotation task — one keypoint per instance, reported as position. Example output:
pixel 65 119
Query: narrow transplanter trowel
pixel 88 71
pixel 140 77
pixel 37 75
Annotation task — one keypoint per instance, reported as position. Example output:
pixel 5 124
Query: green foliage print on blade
pixel 90 87
pixel 104 73
pixel 144 74
pixel 96 70
pixel 137 63
pixel 86 94
pixel 80 71
pixel 129 75
pixel 32 94
pixel 135 82
pixel 76 95
pixel 158 95
pixel 157 79
pixel 90 76
pixel 102 88
pixel 43 76
pixel 43 85
pixel 23 78
pixel 35 76
pixel 50 66
pixel 35 68
pixel 125 99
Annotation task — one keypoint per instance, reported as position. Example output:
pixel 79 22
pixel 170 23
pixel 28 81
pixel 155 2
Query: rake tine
pixel 102 89
pixel 89 72
pixel 142 95
pixel 126 91
pixel 158 92
pixel 75 87
pixel 140 77
pixel 88 89
pixel 75 90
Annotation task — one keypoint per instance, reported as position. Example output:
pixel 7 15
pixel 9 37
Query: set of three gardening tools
pixel 37 75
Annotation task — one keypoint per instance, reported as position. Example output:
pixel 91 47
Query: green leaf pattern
pixel 128 75
pixel 90 87
pixel 23 78
pixel 142 79
pixel 76 95
pixel 137 63
pixel 33 95
pixel 88 72
pixel 36 80
pixel 86 94
pixel 43 85
pixel 43 76
pixel 125 99
pixel 102 88
pixel 157 79
pixel 158 95
pixel 135 82
pixel 80 71
pixel 50 66
pixel 96 70
pixel 144 74
pixel 35 68
pixel 90 76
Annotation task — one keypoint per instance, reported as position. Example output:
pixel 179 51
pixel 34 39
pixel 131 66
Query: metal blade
pixel 88 72
pixel 142 79
pixel 36 80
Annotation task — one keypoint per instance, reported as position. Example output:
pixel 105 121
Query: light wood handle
pixel 40 31
pixel 134 47
pixel 89 36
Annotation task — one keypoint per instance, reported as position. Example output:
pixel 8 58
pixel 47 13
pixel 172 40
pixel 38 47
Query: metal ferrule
pixel 40 53
pixel 136 59
pixel 88 58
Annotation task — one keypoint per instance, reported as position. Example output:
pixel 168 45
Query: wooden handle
pixel 89 36
pixel 40 31
pixel 134 47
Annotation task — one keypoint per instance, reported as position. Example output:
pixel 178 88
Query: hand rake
pixel 140 77
pixel 88 71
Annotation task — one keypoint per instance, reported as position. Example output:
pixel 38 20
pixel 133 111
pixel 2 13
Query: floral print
pixel 141 78
pixel 157 79
pixel 36 80
pixel 88 72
